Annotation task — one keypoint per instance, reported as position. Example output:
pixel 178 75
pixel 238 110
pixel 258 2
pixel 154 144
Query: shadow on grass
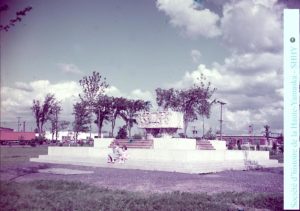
pixel 29 170
pixel 62 195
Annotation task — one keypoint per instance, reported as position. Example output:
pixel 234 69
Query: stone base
pixel 173 160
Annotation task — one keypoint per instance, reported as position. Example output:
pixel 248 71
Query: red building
pixel 7 136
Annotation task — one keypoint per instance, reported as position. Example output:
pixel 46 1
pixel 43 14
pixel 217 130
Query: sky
pixel 141 45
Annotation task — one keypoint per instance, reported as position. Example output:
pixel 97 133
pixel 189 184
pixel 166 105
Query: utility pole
pixel 221 120
pixel 56 123
pixel 24 123
pixel 19 123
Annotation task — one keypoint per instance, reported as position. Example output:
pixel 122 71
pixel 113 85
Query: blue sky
pixel 140 45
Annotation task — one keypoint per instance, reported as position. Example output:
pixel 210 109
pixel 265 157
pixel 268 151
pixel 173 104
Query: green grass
pixel 62 195
pixel 19 155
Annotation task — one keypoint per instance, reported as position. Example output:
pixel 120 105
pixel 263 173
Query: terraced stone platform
pixel 161 159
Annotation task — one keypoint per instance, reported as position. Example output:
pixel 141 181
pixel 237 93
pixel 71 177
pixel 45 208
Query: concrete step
pixel 204 145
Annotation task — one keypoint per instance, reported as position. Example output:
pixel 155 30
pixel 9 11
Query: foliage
pixel 13 21
pixel 64 195
pixel 209 135
pixel 122 133
pixel 137 136
pixel 82 118
pixel 130 111
pixel 257 146
pixel 191 102
pixel 274 146
pixel 93 87
pixel 43 112
pixel 53 117
pixel 267 132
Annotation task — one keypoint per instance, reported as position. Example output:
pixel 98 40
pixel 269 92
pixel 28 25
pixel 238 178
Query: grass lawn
pixel 20 154
pixel 75 195
pixel 62 195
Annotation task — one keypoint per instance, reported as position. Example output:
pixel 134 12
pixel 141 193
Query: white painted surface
pixel 174 144
pixel 102 142
pixel 218 145
pixel 171 155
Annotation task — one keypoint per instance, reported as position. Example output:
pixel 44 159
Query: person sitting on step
pixel 116 153
pixel 123 154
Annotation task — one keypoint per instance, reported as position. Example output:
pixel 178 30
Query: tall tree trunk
pixel 113 123
pixel 100 128
pixel 128 129
pixel 185 126
pixel 56 134
pixel 41 130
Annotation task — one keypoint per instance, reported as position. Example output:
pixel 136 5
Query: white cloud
pixel 252 25
pixel 220 81
pixel 252 63
pixel 185 15
pixel 243 25
pixel 69 68
pixel 17 102
pixel 143 95
pixel 134 94
pixel 113 91
pixel 196 55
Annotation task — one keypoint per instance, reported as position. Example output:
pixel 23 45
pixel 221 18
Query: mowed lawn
pixel 76 195
pixel 17 155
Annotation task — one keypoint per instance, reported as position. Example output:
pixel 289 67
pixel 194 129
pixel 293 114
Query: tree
pixel 118 105
pixel 103 110
pixel 93 89
pixel 132 107
pixel 191 102
pixel 42 112
pixel 82 118
pixel 13 21
pixel 267 132
pixel 53 117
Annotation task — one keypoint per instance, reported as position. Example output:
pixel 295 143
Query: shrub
pixel 281 148
pixel 257 147
pixel 274 146
pixel 230 146
pixel 122 133
pixel 239 145
pixel 137 136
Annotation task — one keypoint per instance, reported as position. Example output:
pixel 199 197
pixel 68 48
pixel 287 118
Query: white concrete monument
pixel 164 123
